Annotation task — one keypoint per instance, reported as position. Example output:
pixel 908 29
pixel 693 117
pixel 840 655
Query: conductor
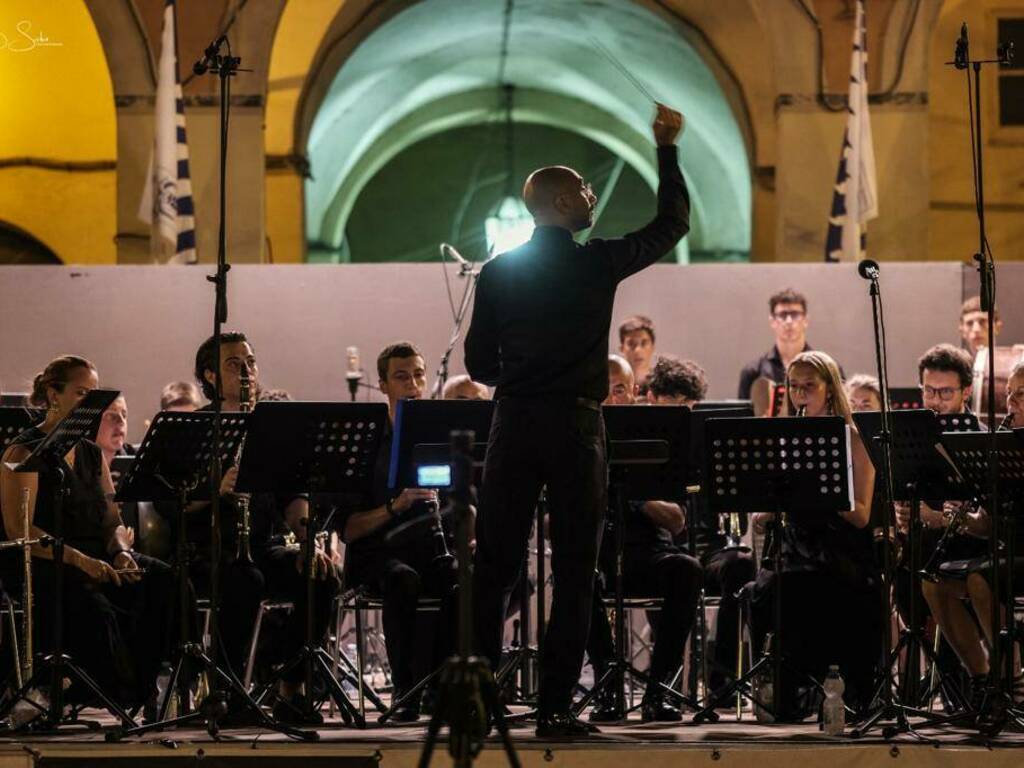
pixel 539 334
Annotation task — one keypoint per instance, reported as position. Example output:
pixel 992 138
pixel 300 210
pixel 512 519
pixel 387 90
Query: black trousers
pixel 416 643
pixel 672 576
pixel 244 586
pixel 726 571
pixel 120 635
pixel 533 444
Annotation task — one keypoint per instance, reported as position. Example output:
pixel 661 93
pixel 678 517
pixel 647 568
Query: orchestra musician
pixel 830 594
pixel 401 566
pixel 115 599
pixel 652 564
pixel 273 569
pixel 864 393
pixel 636 344
pixel 974 326
pixel 462 387
pixel 539 334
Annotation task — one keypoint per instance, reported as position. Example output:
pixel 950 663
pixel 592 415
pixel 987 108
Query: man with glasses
pixel 788 317
pixel 945 375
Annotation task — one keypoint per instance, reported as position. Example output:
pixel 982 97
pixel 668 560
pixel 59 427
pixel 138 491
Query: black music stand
pixel 422 437
pixel 81 423
pixel 905 398
pixel 172 465
pixel 797 467
pixel 647 459
pixel 319 448
pixel 922 469
pixel 15 419
pixel 971 451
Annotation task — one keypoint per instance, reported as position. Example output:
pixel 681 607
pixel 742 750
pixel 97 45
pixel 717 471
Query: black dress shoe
pixel 562 725
pixel 654 709
pixel 604 708
pixel 408 711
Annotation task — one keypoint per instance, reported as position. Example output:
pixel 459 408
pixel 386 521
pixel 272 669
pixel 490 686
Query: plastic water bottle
pixel 833 710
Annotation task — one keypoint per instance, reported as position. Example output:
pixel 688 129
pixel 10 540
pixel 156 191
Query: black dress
pixel 118 634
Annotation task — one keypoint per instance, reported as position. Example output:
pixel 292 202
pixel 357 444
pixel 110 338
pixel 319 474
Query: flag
pixel 854 198
pixel 167 196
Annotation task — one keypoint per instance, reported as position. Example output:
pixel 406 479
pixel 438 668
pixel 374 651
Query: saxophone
pixel 244 550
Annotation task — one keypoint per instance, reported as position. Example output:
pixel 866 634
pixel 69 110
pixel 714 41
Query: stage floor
pixel 735 744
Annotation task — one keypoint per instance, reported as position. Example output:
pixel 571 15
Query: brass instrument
pixel 244 549
pixel 729 527
pixel 954 527
pixel 26 594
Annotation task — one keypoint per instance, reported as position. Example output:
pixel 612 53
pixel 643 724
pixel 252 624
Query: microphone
pixel 354 374
pixel 448 251
pixel 960 57
pixel 868 269
pixel 209 59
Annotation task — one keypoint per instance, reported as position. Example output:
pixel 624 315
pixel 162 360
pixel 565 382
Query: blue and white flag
pixel 854 198
pixel 167 196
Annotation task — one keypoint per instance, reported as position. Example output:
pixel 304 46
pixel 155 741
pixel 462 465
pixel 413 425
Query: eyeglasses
pixel 943 393
pixel 788 316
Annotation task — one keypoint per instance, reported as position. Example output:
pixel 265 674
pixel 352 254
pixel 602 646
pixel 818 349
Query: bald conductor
pixel 539 335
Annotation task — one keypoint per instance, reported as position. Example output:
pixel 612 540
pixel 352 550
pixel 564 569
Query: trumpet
pixel 244 549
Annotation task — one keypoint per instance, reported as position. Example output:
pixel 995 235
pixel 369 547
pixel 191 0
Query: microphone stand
pixel 999 694
pixel 460 317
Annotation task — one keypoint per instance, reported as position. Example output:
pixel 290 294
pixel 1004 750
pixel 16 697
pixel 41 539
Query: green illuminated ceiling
pixel 434 67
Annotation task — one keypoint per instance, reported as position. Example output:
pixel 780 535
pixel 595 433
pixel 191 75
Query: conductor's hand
pixel 668 126
pixel 228 480
pixel 410 496
pixel 97 570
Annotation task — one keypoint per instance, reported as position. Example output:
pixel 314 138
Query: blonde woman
pixel 830 582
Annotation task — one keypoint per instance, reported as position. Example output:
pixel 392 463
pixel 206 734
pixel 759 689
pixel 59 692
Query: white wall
pixel 141 324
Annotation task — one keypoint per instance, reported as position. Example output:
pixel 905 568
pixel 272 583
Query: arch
pixel 429 68
pixel 20 247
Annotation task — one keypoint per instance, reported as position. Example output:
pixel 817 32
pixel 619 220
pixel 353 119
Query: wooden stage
pixel 745 744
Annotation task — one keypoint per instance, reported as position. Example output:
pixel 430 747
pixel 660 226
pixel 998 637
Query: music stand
pixel 81 423
pixel 905 398
pixel 320 448
pixel 422 437
pixel 172 465
pixel 647 459
pixel 800 467
pixel 970 450
pixel 922 468
pixel 15 419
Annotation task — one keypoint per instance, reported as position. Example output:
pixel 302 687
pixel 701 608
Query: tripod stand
pixel 48 458
pixel 174 457
pixel 467 690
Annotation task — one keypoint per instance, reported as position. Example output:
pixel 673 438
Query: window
pixel 1011 78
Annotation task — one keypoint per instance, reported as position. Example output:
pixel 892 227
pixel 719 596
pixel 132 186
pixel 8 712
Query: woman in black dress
pixel 116 602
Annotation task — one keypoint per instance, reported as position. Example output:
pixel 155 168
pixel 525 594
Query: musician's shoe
pixel 562 725
pixel 293 712
pixel 655 709
pixel 604 708
pixel 408 712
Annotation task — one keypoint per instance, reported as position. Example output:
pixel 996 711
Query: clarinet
pixel 441 553
pixel 26 591
pixel 244 550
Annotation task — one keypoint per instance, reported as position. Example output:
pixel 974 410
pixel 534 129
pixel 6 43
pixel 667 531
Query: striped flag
pixel 854 198
pixel 167 196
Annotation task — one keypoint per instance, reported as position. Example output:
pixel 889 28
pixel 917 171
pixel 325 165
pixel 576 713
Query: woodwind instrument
pixel 244 549
pixel 26 592
pixel 440 541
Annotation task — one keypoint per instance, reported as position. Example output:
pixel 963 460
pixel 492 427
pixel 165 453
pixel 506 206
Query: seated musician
pixel 945 598
pixel 180 396
pixel 864 393
pixel 407 566
pixel 462 387
pixel 652 565
pixel 276 571
pixel 830 608
pixel 974 326
pixel 945 375
pixel 636 345
pixel 115 600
